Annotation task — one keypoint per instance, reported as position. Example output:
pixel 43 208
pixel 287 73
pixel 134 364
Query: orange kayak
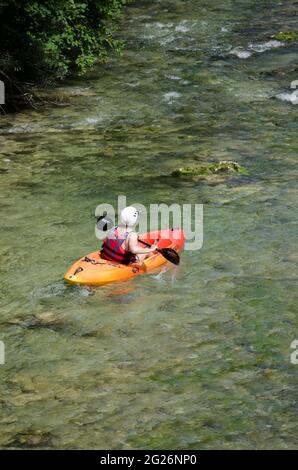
pixel 96 271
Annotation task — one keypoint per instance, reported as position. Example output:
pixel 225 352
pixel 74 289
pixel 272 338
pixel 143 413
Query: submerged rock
pixel 47 318
pixel 31 439
pixel 285 36
pixel 14 321
pixel 223 167
pixel 40 320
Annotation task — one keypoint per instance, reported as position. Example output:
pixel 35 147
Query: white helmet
pixel 129 216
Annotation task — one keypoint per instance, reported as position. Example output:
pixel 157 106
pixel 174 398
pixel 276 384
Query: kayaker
pixel 121 244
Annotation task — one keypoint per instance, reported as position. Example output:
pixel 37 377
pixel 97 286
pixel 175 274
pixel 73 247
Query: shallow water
pixel 196 358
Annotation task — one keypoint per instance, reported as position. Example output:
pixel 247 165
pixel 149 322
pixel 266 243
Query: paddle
pixel 168 253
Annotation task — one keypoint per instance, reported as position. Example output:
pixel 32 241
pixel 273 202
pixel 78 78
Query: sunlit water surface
pixel 196 358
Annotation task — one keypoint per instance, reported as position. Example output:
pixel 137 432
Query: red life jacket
pixel 112 249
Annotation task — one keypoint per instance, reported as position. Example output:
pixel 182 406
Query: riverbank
pixel 40 45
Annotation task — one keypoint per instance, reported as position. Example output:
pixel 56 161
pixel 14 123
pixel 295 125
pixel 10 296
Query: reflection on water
pixel 197 357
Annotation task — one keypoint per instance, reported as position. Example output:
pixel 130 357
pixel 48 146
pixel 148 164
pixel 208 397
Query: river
pixel 198 357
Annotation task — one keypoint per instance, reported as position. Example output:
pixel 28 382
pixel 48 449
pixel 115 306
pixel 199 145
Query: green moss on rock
pixel 211 169
pixel 285 36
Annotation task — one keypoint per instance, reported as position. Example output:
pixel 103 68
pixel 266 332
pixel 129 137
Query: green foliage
pixel 211 169
pixel 285 36
pixel 48 40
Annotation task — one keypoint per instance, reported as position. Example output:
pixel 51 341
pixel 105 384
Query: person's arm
pixel 134 247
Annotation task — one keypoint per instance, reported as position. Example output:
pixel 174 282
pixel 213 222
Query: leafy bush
pixel 44 41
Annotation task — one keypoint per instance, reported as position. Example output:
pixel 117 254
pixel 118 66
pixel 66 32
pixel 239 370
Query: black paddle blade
pixel 170 255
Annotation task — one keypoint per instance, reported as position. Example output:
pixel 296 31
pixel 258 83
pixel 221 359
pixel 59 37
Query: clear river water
pixel 197 357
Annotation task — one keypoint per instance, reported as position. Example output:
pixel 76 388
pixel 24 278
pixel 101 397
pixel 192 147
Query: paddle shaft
pixel 147 244
pixel 168 253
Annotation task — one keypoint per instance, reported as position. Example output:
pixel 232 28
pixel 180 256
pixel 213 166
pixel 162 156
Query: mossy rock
pixel 218 168
pixel 285 36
